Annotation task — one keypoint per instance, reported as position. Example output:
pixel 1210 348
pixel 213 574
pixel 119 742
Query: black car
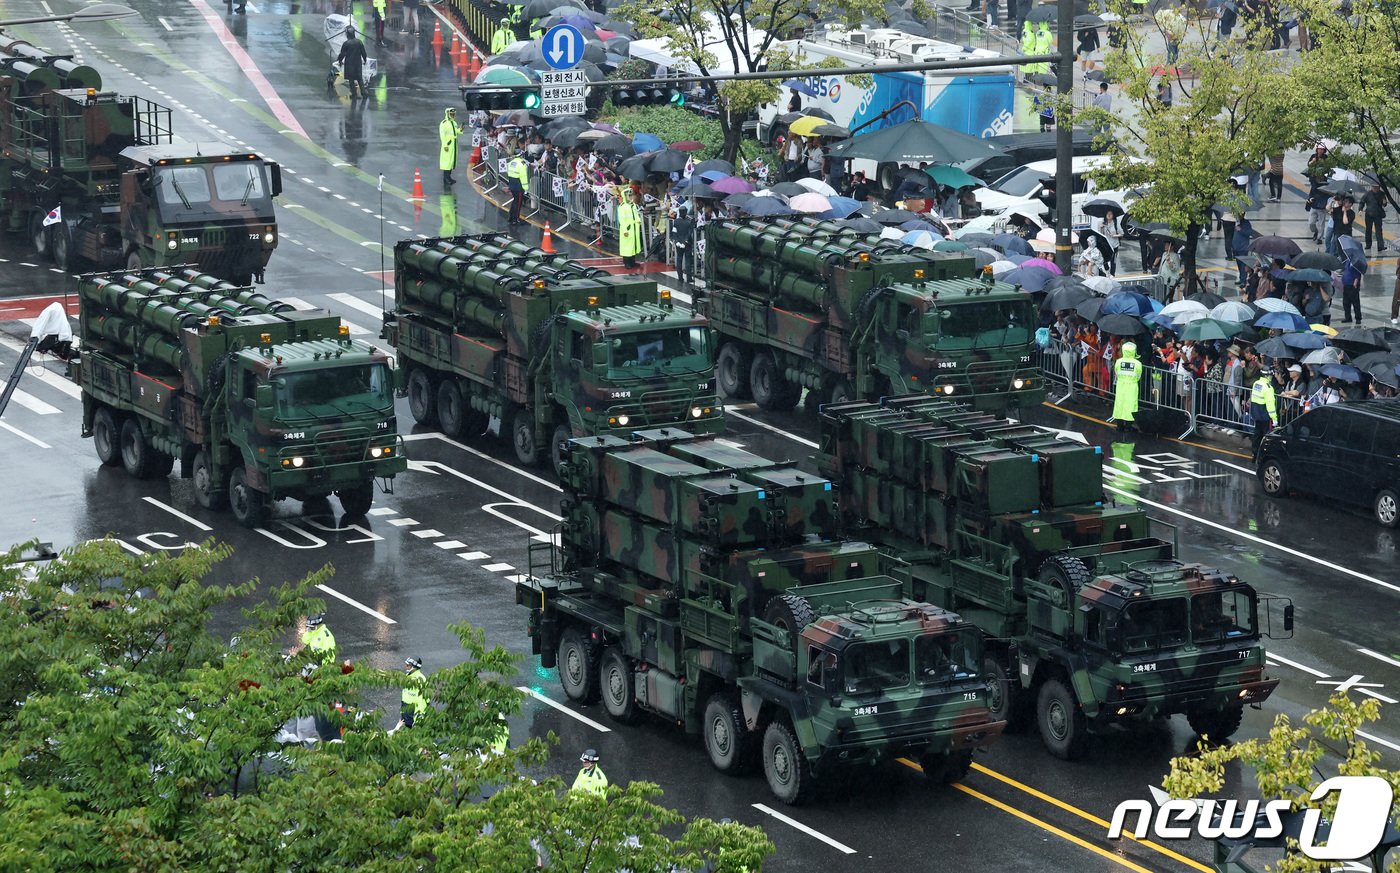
pixel 1345 451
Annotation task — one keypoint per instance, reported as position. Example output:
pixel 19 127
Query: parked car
pixel 1021 190
pixel 1025 148
pixel 1345 451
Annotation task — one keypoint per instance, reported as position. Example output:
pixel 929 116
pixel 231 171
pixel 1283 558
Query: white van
pixel 1021 188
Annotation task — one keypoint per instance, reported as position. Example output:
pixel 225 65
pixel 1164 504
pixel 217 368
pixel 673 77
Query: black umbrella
pixel 1087 22
pixel 1316 261
pixel 1068 297
pixel 789 117
pixel 668 161
pixel 892 217
pixel 614 144
pixel 1167 236
pixel 1359 340
pixel 1383 373
pixel 714 164
pixel 916 140
pixel 1043 13
pixel 860 224
pixel 1274 347
pixel 1090 307
pixel 566 138
pixel 1099 207
pixel 634 168
pixel 1345 188
pixel 734 201
pixel 1121 324
pixel 812 112
pixel 542 8
pixel 1274 247
pixel 1096 76
pixel 1389 358
pixel 834 131
pixel 978 238
pixel 1206 298
pixel 566 122
pixel 1045 80
pixel 788 189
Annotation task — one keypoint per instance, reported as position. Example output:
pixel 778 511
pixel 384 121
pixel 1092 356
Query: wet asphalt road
pixel 446 545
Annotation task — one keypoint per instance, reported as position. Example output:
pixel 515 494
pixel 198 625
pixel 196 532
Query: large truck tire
pixel 208 490
pixel 790 612
pixel 356 501
pixel 1061 721
pixel 39 236
pixel 451 407
pixel 250 506
pixel 789 777
pixel 839 391
pixel 106 436
pixel 519 429
pixel 61 241
pixel 771 391
pixel 133 260
pixel 732 371
pixel 945 768
pixel 1067 571
pixel 558 445
pixel 578 667
pixel 422 397
pixel 1005 698
pixel 1216 725
pixel 728 740
pixel 615 682
pixel 138 458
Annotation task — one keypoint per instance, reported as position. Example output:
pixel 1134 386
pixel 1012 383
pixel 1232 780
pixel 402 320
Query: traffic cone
pixel 473 65
pixel 417 184
pixel 547 244
pixel 456 50
pixel 437 34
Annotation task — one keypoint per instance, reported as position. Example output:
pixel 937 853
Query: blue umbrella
pixel 842 207
pixel 1303 341
pixel 646 142
pixel 1157 319
pixel 1354 253
pixel 1018 260
pixel 766 206
pixel 1011 244
pixel 713 176
pixel 800 86
pixel 1126 301
pixel 1310 274
pixel 1341 371
pixel 1283 321
pixel 1032 279
pixel 920 224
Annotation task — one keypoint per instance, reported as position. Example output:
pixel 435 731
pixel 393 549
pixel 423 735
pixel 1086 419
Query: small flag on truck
pixel 54 217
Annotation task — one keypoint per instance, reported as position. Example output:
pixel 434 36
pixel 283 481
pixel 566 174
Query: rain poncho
pixel 1126 375
pixel 448 129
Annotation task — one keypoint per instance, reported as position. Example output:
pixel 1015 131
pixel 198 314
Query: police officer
pixel 413 700
pixel 1262 408
pixel 590 777
pixel 502 38
pixel 381 12
pixel 683 239
pixel 448 131
pixel 518 181
pixel 629 230
pixel 320 642
pixel 1127 373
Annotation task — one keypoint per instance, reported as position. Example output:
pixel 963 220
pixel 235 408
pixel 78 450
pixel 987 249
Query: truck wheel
pixel 728 739
pixel 163 466
pixel 557 446
pixel 1005 698
pixel 578 667
pixel 422 398
pixel 1216 725
pixel 839 392
pixel 521 433
pixel 39 236
pixel 790 612
pixel 208 491
pixel 770 390
pixel 732 371
pixel 138 458
pixel 248 504
pixel 451 407
pixel 789 777
pixel 356 501
pixel 106 437
pixel 133 261
pixel 615 678
pixel 1066 571
pixel 1062 726
pixel 947 767
pixel 63 257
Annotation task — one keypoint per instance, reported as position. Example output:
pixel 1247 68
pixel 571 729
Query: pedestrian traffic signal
pixel 497 98
pixel 649 95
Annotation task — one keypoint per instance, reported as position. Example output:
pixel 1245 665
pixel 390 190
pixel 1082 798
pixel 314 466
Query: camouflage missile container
pixel 257 400
pixel 97 180
pixel 491 328
pixel 805 304
pixel 704 585
pixel 1090 620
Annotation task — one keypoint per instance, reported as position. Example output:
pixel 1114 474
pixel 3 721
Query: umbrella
pixel 1354 253
pixel 1207 299
pixel 1281 321
pixel 515 118
pixel 1042 264
pixel 1101 284
pixel 1210 329
pixel 805 125
pixel 1066 296
pixel 544 8
pixel 921 238
pixel 1157 319
pixel 613 144
pixel 1359 340
pixel 1303 342
pixel 1345 188
pixel 788 189
pixel 1274 304
pixel 1317 261
pixel 981 257
pixel 646 142
pixel 1327 355
pixel 809 202
pixel 1099 207
pixel 1002 267
pixel 1120 324
pixel 1091 308
pixel 920 224
pixel 732 185
pixel 800 86
pixel 1018 260
pixel 766 206
pixel 604 126
pixel 817 186
pixel 950 245
pixel 1011 244
pixel 503 74
pixel 835 131
pixel 981 238
pixel 634 168
pixel 953 177
pixel 576 20
pixel 1032 279
pixel 1045 12
pixel 1233 310
pixel 1324 329
pixel 1274 347
pixel 1180 306
pixel 668 161
pixel 1129 302
pixel 1385 359
pixel 689 145
pixel 733 201
pixel 565 138
pixel 700 189
pixel 715 164
pixel 1386 375
pixel 1189 315
pixel 789 117
pixel 861 224
pixel 1045 80
pixel 768 192
pixel 1341 371
pixel 1041 247
pixel 711 176
pixel 1275 247
pixel 843 207
pixel 1087 22
pixel 1167 236
pixel 1310 274
pixel 916 140
pixel 893 216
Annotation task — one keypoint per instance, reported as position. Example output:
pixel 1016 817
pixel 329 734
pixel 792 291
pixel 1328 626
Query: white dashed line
pixel 177 513
pixel 403 522
pixel 451 544
pixel 497 568
pixel 811 832
pixel 428 534
pixel 564 709
pixel 357 604
pixel 473 556
pixel 383 510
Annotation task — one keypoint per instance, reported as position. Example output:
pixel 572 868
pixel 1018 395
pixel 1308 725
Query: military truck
pixel 706 586
pixel 259 401
pixel 489 327
pixel 806 304
pixel 97 180
pixel 1090 619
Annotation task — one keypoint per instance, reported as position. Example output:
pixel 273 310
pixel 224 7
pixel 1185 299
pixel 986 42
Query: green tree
pixel 1231 110
pixel 1290 762
pixel 133 738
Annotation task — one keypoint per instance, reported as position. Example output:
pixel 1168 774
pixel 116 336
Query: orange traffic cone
pixel 547 244
pixel 475 159
pixel 473 65
pixel 456 49
pixel 417 184
pixel 437 34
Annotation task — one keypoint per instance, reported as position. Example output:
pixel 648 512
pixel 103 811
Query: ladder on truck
pixel 24 356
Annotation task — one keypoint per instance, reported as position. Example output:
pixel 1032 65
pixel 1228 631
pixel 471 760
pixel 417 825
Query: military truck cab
pixel 207 204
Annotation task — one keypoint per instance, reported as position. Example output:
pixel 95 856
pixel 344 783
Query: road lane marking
pixel 1354 683
pixel 245 62
pixel 539 535
pixel 427 534
pixel 811 832
pixel 357 604
pixel 1254 539
pixel 163 23
pixel 298 303
pixel 1379 657
pixel 473 556
pixel 1233 466
pixel 451 544
pixel 1375 739
pixel 24 436
pixel 1296 666
pixel 497 568
pixel 177 513
pixel 564 709
pixel 356 303
pixel 434 435
pixel 383 510
pixel 402 522
pixel 30 402
pixel 729 410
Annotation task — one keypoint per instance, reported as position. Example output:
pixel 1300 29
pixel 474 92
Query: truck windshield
pixel 348 390
pixel 979 324
pixel 682 348
pixel 213 192
pixel 872 667
pixel 946 657
pixel 1153 624
pixel 1223 615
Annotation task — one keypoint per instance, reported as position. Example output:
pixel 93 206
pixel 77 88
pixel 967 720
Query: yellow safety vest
pixel 321 643
pixel 591 780
pixel 501 39
pixel 501 741
pixel 1262 394
pixel 413 693
pixel 518 170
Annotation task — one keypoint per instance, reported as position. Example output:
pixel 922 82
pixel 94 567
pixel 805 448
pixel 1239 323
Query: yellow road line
pixel 1043 825
pixel 1170 439
pixel 1088 816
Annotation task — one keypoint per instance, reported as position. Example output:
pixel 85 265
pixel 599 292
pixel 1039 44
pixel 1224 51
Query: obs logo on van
pixel 1364 808
pixel 830 88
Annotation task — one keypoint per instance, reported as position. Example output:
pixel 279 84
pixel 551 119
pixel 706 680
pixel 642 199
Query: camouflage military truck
pixel 806 304
pixel 704 585
pixel 97 181
pixel 490 327
pixel 1091 620
pixel 259 401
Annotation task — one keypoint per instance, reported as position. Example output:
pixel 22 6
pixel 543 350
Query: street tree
pixel 1290 762
pixel 1231 109
pixel 132 737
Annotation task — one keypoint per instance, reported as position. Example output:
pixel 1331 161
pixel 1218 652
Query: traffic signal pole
pixel 1064 139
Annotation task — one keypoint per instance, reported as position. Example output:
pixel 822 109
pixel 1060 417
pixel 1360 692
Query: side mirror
pixel 275 171
pixel 263 398
pixel 600 355
pixel 1288 617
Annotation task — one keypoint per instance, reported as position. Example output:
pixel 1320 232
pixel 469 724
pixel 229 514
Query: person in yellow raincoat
pixel 629 229
pixel 1127 373
pixel 448 131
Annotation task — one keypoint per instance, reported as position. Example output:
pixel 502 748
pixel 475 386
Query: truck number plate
pixel 969 695
pixel 947 365
pixel 298 435
pixel 866 710
pixel 1144 668
pixel 619 395
pixel 254 236
pixel 189 240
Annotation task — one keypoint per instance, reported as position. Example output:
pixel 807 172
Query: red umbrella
pixel 687 145
pixel 1042 264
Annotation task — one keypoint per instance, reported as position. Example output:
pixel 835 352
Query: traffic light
pixel 498 98
pixel 649 95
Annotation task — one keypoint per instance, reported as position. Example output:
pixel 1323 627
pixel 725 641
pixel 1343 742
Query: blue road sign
pixel 563 47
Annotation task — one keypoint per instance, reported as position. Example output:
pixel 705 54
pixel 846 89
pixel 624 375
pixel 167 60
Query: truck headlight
pixel 269 237
pixel 696 412
pixel 947 389
pixel 297 461
pixel 1018 384
pixel 172 243
pixel 381 451
pixel 624 420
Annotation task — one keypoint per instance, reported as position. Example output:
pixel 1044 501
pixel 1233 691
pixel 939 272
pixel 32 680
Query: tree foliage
pixel 670 123
pixel 132 738
pixel 1289 763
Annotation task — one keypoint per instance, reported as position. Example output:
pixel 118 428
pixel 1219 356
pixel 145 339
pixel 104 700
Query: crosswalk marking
pixel 30 402
pixel 356 303
pixel 473 556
